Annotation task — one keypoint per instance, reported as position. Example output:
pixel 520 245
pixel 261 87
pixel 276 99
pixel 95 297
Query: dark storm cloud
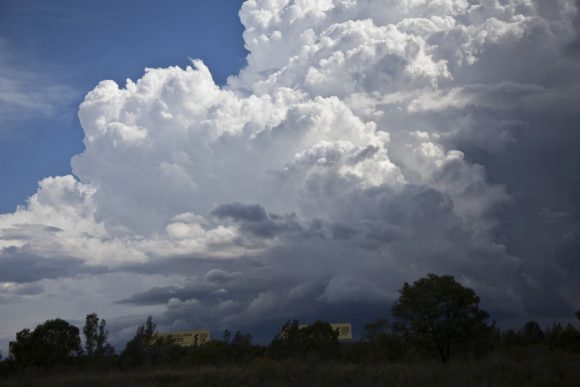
pixel 11 293
pixel 342 231
pixel 161 295
pixel 255 220
pixel 215 284
pixel 19 265
pixel 575 45
pixel 241 212
pixel 28 289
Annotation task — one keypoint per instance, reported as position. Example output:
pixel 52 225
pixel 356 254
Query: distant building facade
pixel 190 338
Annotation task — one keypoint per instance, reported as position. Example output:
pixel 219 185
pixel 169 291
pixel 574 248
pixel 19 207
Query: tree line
pixel 434 317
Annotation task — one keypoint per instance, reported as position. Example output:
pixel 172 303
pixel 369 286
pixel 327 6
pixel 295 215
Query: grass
pixel 510 368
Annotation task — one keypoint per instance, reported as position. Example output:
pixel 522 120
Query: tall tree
pixel 95 332
pixel 142 348
pixel 90 331
pixel 103 346
pixel 441 311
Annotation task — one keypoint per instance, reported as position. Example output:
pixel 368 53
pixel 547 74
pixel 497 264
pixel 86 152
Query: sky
pixel 230 165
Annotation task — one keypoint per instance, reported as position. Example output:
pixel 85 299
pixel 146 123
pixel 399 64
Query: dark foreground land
pixel 510 368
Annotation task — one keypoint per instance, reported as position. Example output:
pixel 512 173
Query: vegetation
pixel 438 311
pixel 53 343
pixel 317 341
pixel 95 333
pixel 439 337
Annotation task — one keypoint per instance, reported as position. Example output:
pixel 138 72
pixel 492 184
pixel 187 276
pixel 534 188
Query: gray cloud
pixel 241 212
pixel 27 231
pixel 21 266
pixel 255 220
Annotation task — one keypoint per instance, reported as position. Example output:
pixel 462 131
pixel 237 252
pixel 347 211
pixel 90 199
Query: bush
pixel 55 342
pixel 313 342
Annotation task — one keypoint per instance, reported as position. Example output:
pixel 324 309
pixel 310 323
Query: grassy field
pixel 506 369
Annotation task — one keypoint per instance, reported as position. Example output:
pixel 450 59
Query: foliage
pixel 532 333
pixel 144 348
pixel 440 311
pixel 314 342
pixel 380 343
pixel 236 350
pixel 52 343
pixel 288 342
pixel 565 338
pixel 95 333
pixel 241 347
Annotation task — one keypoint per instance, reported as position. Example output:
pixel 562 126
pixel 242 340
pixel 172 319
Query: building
pixel 190 338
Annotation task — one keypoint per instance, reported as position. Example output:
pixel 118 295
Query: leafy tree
pixel 532 333
pixel 52 343
pixel 440 311
pixel 319 340
pixel 95 333
pixel 242 348
pixel 227 336
pixel 380 343
pixel 103 347
pixel 147 348
pixel 314 341
pixel 553 336
pixel 563 338
pixel 138 350
pixel 287 343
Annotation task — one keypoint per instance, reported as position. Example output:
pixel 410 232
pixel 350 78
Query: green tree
pixel 287 343
pixel 227 336
pixel 104 348
pixel 532 333
pixel 52 343
pixel 242 348
pixel 319 340
pixel 90 332
pixel 314 341
pixel 563 338
pixel 145 348
pixel 440 311
pixel 380 344
pixel 95 332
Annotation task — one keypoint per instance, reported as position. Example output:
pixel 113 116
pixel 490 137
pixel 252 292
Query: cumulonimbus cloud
pixel 365 143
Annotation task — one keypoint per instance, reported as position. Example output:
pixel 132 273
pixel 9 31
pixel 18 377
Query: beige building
pixel 191 338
